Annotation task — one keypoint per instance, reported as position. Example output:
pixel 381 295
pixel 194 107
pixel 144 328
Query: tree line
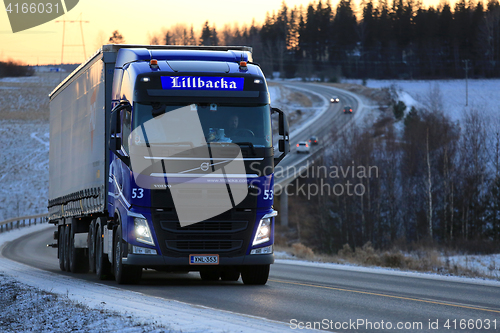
pixel 437 180
pixel 384 39
pixel 12 68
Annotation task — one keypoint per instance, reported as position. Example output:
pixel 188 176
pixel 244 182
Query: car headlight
pixel 263 233
pixel 141 230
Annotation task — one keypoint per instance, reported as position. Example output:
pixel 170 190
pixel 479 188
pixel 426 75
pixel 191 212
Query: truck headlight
pixel 141 229
pixel 264 230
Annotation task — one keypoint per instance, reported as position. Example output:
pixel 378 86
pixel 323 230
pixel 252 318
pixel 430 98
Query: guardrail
pixel 23 221
pixel 283 177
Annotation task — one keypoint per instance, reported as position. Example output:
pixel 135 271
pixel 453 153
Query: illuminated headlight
pixel 263 250
pixel 145 79
pixel 264 230
pixel 142 232
pixel 142 250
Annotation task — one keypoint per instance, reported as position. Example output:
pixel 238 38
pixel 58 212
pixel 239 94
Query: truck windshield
pixel 239 124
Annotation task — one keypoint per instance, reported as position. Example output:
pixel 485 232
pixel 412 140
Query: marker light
pixel 297 144
pixel 142 250
pixel 145 79
pixel 243 65
pixel 153 63
pixel 263 250
pixel 257 81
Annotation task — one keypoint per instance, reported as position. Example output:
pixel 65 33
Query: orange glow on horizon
pixel 137 22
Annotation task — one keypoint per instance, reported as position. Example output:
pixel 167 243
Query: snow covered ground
pixel 483 94
pixel 487 265
pixel 24 165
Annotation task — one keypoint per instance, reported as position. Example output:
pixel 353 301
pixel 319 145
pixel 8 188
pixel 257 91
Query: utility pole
pixel 466 81
pixel 81 31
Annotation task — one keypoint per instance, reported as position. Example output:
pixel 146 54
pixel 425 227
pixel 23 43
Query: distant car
pixel 334 99
pixel 302 147
pixel 313 140
pixel 348 109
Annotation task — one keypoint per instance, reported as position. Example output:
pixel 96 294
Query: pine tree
pixel 116 38
pixel 206 35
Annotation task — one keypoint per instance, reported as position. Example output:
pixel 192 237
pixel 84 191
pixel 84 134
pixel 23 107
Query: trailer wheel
pixel 78 261
pixel 229 275
pixel 91 246
pixel 209 275
pixel 66 247
pixel 124 274
pixel 102 265
pixel 256 275
pixel 61 249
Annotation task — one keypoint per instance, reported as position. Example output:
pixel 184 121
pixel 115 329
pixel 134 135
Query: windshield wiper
pixel 252 149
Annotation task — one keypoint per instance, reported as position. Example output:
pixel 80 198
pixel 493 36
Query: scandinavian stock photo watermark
pixel 334 180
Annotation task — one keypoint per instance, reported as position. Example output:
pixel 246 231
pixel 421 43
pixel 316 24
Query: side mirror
pixel 115 142
pixel 284 143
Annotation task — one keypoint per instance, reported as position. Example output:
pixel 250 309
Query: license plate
pixel 203 259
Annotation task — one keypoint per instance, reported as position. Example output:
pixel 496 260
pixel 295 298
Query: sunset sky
pixel 135 20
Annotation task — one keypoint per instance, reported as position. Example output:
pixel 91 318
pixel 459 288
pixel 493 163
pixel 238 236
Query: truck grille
pixel 207 226
pixel 228 233
pixel 204 245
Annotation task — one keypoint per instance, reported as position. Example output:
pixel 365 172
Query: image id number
pixel 33 8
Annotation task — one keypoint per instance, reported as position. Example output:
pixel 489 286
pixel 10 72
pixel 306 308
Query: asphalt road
pixel 311 294
pixel 332 121
pixel 341 300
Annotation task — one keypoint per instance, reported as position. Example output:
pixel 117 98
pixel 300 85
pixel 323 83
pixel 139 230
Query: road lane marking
pixel 389 296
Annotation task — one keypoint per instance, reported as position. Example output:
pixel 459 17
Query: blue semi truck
pixel 162 157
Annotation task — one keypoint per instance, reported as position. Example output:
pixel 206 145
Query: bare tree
pixel 429 187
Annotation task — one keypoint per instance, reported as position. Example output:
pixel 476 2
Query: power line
pixel 81 31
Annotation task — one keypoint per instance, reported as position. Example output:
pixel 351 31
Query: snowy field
pixel 483 94
pixel 24 165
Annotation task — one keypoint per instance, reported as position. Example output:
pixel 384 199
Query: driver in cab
pixel 232 127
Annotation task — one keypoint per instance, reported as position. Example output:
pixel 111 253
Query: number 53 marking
pixel 137 193
pixel 268 194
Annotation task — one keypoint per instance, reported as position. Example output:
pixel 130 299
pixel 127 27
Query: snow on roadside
pixel 25 309
pixel 86 303
pixel 487 265
pixel 482 93
pixel 45 311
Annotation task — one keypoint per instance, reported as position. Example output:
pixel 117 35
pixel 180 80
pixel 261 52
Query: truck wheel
pixel 255 274
pixel 91 245
pixel 102 265
pixel 230 275
pixel 209 275
pixel 124 274
pixel 60 248
pixel 78 261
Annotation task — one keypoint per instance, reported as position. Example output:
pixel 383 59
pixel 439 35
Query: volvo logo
pixel 205 166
